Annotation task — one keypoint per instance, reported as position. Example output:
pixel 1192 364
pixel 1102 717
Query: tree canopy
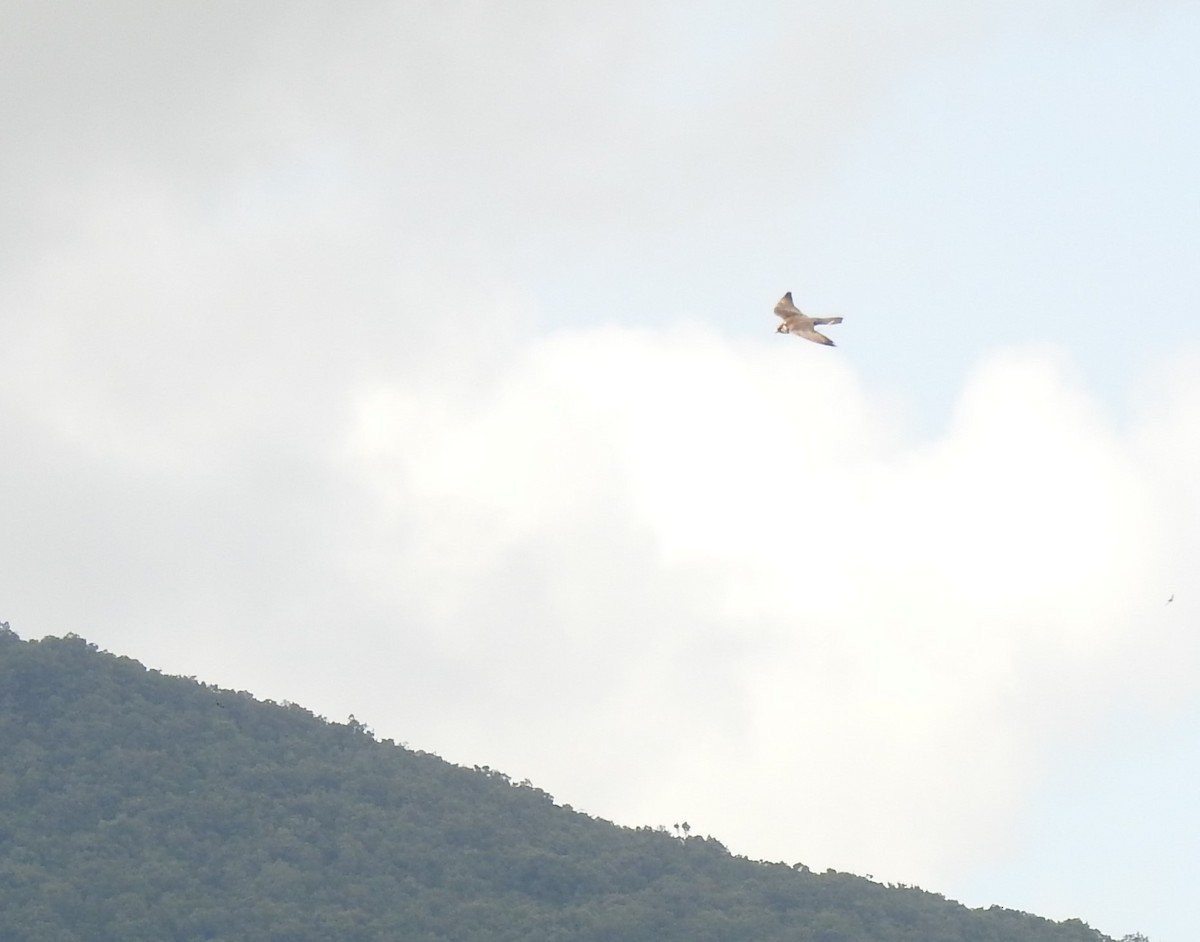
pixel 139 806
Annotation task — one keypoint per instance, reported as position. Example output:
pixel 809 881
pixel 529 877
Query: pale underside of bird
pixel 798 323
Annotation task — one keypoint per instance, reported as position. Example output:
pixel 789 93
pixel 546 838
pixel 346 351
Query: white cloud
pixel 810 633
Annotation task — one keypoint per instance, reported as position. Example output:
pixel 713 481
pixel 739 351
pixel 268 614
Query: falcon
pixel 795 322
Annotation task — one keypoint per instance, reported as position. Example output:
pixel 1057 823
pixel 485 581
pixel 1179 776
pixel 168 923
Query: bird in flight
pixel 1171 599
pixel 795 322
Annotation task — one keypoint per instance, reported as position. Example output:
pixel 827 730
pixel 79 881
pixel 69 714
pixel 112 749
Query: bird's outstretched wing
pixel 826 320
pixel 815 336
pixel 786 307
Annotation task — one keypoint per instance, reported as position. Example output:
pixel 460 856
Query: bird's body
pixel 800 324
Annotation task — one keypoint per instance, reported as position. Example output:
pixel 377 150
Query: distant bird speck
pixel 800 324
pixel 1171 599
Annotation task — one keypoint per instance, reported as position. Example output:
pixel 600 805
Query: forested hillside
pixel 138 806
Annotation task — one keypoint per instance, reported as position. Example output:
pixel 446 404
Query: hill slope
pixel 137 806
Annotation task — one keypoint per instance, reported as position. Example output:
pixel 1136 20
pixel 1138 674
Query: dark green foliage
pixel 136 806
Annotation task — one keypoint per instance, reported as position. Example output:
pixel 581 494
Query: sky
pixel 416 361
